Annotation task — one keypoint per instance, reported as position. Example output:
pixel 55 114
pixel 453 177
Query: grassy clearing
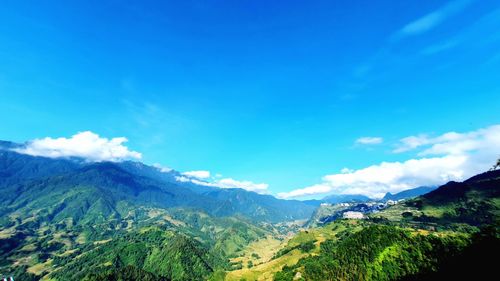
pixel 99 242
pixel 24 261
pixel 394 213
pixel 28 248
pixel 437 212
pixel 266 270
pixel 260 251
pixel 7 233
pixel 265 267
pixel 81 239
pixel 40 268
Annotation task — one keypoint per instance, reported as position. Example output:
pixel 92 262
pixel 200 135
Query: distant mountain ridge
pixel 70 219
pixel 124 220
pixel 346 198
pixel 473 201
pixel 409 193
pixel 359 198
pixel 453 228
pixel 28 181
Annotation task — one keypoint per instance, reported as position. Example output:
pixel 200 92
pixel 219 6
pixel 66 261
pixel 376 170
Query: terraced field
pixel 270 255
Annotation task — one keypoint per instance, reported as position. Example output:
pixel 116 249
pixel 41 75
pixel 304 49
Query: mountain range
pixel 449 233
pixel 74 184
pixel 359 198
pixel 70 219
pixel 409 193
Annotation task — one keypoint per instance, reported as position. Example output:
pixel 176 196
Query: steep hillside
pixel 475 201
pixel 375 253
pixel 450 232
pixel 16 168
pixel 164 253
pixel 325 213
pixel 30 183
pixel 69 219
pixel 410 193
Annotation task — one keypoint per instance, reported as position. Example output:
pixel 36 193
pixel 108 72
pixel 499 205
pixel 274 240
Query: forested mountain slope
pixel 25 177
pixel 451 232
pixel 69 219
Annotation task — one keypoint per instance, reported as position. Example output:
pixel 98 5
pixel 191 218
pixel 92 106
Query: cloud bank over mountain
pixel 94 148
pixel 261 188
pixel 433 160
pixel 87 145
pixel 450 156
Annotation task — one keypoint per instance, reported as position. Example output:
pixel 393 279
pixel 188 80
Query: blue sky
pixel 275 93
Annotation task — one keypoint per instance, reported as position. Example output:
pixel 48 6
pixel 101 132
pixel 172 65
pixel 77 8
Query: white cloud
pixel 310 190
pixel 227 183
pixel 182 179
pixel 411 142
pixel 479 142
pixel 369 140
pixel 376 180
pixel 190 179
pixel 450 156
pixel 247 185
pixel 161 168
pixel 86 145
pixel 198 174
pixel 346 170
pixel 434 18
pixel 437 48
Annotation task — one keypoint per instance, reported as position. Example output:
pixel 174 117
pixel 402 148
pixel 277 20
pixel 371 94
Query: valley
pixel 71 220
pixel 249 140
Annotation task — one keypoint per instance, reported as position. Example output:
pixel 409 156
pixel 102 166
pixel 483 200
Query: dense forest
pixel 68 220
pixel 450 231
pixel 391 253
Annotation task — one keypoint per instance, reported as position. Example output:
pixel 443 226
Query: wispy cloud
pixel 198 174
pixel 247 185
pixel 440 47
pixel 422 25
pixel 219 182
pixel 151 123
pixel 411 142
pixel 493 59
pixel 369 140
pixel 453 143
pixel 86 145
pixel 162 168
pixel 450 156
pixel 433 19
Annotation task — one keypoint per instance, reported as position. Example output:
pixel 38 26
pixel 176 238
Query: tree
pixel 496 166
pixel 407 214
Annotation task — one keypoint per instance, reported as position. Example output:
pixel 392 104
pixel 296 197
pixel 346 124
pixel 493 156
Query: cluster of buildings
pixel 353 215
pixel 358 210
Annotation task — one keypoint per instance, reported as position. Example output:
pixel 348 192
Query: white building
pixel 353 215
pixel 391 202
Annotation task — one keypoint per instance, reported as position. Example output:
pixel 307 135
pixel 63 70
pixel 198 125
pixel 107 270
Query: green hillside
pixel 447 232
pixel 63 219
